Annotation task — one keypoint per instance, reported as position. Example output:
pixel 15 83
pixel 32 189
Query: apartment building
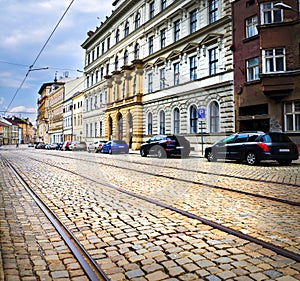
pixel 160 67
pixel 266 46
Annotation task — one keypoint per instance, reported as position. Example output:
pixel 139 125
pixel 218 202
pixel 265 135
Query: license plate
pixel 284 150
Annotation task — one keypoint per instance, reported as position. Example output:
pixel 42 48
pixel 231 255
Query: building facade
pixel 266 45
pixel 152 66
pixel 78 101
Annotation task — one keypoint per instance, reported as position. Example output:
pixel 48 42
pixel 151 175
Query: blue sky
pixel 25 27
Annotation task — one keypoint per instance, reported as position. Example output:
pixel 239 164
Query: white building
pixel 151 66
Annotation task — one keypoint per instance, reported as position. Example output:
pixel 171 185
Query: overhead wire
pixel 30 68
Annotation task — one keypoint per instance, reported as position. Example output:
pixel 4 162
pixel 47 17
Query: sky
pixel 25 27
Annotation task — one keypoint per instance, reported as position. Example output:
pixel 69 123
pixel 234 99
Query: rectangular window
pixel 251 27
pixel 273 60
pixel 108 43
pixel 101 128
pixel 91 130
pixel 151 10
pixel 150 83
pixel 213 11
pixel 292 116
pixel 87 130
pixel 176 73
pixel 213 61
pixel 95 129
pixel 193 68
pixel 151 40
pixel 176 30
pixel 163 38
pixel 162 78
pixel 102 48
pixel 163 4
pixel 270 13
pixel 252 69
pixel 193 21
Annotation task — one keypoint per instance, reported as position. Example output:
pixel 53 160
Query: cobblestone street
pixel 101 200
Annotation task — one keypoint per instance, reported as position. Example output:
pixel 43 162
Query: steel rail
pixel 90 267
pixel 267 245
pixel 284 201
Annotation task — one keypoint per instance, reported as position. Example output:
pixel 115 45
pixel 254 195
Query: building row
pixel 15 130
pixel 200 68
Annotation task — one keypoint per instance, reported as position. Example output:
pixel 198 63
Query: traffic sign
pixel 201 113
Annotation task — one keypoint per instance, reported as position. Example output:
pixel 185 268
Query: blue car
pixel 115 146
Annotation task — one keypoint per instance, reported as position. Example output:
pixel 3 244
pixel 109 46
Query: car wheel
pixel 211 157
pixel 161 153
pixel 143 152
pixel 284 162
pixel 251 158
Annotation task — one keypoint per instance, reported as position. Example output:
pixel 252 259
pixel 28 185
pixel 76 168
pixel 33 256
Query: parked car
pixel 254 147
pixel 66 146
pixel 95 146
pixel 60 146
pixel 52 146
pixel 40 145
pixel 30 144
pixel 77 145
pixel 166 145
pixel 115 146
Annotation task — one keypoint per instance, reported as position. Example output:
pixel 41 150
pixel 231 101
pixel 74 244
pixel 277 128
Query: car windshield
pixel 119 142
pixel 228 139
pixel 276 137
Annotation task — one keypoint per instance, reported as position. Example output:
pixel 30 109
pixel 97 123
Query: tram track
pixel 203 184
pixel 277 249
pixel 88 264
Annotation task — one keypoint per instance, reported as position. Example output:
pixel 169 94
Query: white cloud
pixel 22 109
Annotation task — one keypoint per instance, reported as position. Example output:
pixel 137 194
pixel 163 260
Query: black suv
pixel 254 147
pixel 165 145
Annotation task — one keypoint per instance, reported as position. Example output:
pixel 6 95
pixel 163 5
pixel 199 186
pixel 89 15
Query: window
pixel 176 121
pixel 193 21
pixel 193 68
pixel 252 69
pixel 91 129
pixel 137 21
pixel 176 30
pixel 96 76
pixel 95 129
pixel 270 14
pixel 102 48
pixel 163 38
pixel 98 51
pixel 117 35
pixel 134 85
pixel 214 117
pixel 151 10
pixel 149 124
pixel 107 69
pixel 193 119
pixel 126 29
pixel 116 63
pixel 101 73
pixel 108 43
pixel 162 78
pixel 150 83
pixel 87 130
pixel 251 27
pixel 213 11
pixel 136 51
pixel 101 128
pixel 273 60
pixel 88 81
pixel 176 73
pixel 292 116
pixel 126 57
pixel 162 123
pixel 213 60
pixel 163 4
pixel 151 40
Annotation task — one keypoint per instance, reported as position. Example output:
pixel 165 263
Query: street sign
pixel 201 113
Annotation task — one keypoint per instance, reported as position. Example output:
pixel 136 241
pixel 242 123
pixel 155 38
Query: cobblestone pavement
pixel 135 240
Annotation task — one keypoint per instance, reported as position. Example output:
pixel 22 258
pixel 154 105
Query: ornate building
pixel 152 66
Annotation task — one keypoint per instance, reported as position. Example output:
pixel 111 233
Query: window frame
pixel 271 62
pixel 193 21
pixel 193 67
pixel 292 116
pixel 252 70
pixel 270 12
pixel 251 26
pixel 213 11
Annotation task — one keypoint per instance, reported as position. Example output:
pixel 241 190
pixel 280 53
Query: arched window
pixel 126 57
pixel 137 21
pixel 214 117
pixel 162 122
pixel 149 123
pixel 176 121
pixel 193 119
pixel 126 29
pixel 136 51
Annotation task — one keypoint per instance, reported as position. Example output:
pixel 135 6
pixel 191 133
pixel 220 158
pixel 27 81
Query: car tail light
pixel 263 146
pixel 297 149
pixel 169 141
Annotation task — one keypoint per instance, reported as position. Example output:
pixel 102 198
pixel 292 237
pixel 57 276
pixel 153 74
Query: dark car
pixel 115 146
pixel 166 145
pixel 254 147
